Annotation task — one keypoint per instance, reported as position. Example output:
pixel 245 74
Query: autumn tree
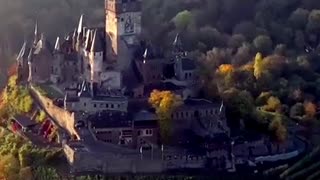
pixel 273 104
pixel 310 110
pixel 278 129
pixel 258 66
pixel 225 69
pixel 165 102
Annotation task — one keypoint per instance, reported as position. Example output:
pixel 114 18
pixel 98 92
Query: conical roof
pixel 96 45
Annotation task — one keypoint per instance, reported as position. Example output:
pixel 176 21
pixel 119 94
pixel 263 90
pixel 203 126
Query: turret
pixel 96 57
pixel 57 45
pixel 36 34
pixel 80 33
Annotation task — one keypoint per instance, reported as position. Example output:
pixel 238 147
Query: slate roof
pixel 97 44
pixel 188 64
pixel 145 116
pixel 24 121
pixel 85 90
pixel 110 119
pixel 162 86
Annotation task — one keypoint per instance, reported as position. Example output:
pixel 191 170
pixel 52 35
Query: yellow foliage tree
pixel 165 102
pixel 258 66
pixel 9 167
pixel 279 130
pixel 310 110
pixel 273 104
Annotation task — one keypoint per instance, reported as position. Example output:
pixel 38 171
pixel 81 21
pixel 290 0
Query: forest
pixel 261 57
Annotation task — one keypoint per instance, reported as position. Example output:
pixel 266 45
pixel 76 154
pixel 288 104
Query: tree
pixel 246 28
pixel 165 102
pixel 280 50
pixel 243 55
pixel 314 21
pixel 26 173
pixel 239 103
pixel 299 18
pixel 273 104
pixel 263 44
pixel 225 69
pixel 297 111
pixel 310 110
pixel 9 167
pixel 45 173
pixel 183 19
pixel 236 41
pixel 278 129
pixel 263 98
pixel 258 66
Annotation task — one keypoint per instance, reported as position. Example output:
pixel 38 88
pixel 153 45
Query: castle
pixel 98 80
pixel 108 74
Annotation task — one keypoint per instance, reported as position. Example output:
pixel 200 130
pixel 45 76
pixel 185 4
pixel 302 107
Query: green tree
pixel 299 18
pixel 183 19
pixel 263 44
pixel 314 21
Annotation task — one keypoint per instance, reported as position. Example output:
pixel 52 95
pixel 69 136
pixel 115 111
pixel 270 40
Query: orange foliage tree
pixel 310 110
pixel 225 69
pixel 165 102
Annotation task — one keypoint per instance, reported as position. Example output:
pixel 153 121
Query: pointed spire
pixel 22 52
pixel 177 41
pixel 87 40
pixel 66 97
pixel 74 34
pixel 145 54
pixel 96 44
pixel 30 55
pixel 36 33
pixel 57 45
pixel 221 107
pixel 36 29
pixel 80 24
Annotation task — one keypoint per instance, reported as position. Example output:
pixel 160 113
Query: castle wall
pixel 63 118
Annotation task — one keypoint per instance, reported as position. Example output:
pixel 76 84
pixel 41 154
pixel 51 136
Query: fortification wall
pixel 61 117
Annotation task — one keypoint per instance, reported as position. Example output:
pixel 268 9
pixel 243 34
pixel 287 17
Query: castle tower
pixel 123 22
pixel 22 66
pixel 96 58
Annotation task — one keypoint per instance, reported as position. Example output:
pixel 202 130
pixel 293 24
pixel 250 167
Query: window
pixel 149 132
pixel 112 106
pixel 95 105
pixel 139 132
pixel 84 104
pixel 107 105
pixel 181 114
pixel 187 114
pixel 119 106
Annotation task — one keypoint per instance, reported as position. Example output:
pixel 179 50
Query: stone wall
pixel 61 117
